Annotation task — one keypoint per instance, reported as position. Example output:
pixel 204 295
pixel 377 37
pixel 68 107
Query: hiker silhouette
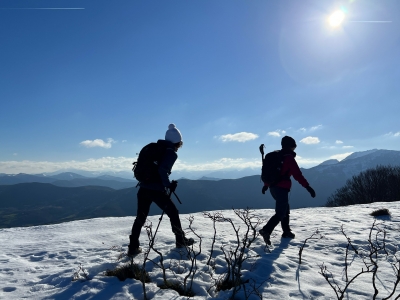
pixel 280 187
pixel 155 186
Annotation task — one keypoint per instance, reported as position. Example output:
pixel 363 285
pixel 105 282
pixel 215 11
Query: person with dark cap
pixel 156 191
pixel 280 191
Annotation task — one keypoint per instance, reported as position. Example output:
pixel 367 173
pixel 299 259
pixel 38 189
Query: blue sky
pixel 230 74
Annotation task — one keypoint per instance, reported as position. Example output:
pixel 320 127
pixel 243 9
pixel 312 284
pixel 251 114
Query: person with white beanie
pixel 155 187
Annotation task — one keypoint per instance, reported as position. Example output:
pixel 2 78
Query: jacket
pixel 164 168
pixel 290 168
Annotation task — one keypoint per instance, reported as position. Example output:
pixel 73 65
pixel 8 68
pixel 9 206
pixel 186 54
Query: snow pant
pixel 282 210
pixel 145 198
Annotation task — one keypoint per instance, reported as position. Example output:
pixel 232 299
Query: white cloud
pixel 340 156
pixel 310 140
pixel 347 147
pixel 315 127
pixel 339 142
pixel 277 133
pixel 390 134
pixel 274 133
pixel 98 143
pixel 15 154
pixel 238 137
pixel 124 141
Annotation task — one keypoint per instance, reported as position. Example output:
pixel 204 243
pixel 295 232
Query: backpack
pixel 145 169
pixel 271 168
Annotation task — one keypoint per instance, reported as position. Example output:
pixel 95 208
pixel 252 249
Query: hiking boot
pixel 182 241
pixel 266 236
pixel 134 251
pixel 133 247
pixel 288 234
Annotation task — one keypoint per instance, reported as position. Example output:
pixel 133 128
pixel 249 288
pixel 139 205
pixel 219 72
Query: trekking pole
pixel 177 198
pixel 262 157
pixel 155 232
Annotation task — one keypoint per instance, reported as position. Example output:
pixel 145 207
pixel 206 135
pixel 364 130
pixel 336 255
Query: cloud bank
pixel 36 167
pixel 124 164
pixel 118 164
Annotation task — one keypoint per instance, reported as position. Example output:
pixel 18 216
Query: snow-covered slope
pixel 329 162
pixel 360 154
pixel 39 262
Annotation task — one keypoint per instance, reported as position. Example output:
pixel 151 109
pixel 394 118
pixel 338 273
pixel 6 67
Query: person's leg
pixel 143 207
pixel 164 202
pixel 281 197
pixel 285 221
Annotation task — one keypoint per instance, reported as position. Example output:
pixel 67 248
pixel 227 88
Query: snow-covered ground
pixel 39 262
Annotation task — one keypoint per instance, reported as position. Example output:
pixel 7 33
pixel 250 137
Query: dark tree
pixel 381 184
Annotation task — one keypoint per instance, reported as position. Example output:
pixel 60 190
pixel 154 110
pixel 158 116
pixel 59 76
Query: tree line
pixel 380 184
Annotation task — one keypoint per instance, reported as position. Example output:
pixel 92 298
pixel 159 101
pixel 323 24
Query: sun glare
pixel 336 18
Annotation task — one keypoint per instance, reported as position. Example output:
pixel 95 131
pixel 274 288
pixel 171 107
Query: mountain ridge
pixel 27 204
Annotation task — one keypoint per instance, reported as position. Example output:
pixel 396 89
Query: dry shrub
pixel 129 270
pixel 380 212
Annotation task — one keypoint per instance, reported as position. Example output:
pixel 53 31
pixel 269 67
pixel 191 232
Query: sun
pixel 336 18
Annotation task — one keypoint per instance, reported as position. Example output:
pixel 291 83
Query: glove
pixel 311 191
pixel 264 189
pixel 173 185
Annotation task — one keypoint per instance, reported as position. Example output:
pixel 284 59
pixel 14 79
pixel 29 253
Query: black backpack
pixel 272 166
pixel 145 168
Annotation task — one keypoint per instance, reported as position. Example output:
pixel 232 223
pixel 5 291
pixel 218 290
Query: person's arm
pixel 165 167
pixel 264 188
pixel 296 172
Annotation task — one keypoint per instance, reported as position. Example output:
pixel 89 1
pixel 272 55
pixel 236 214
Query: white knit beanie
pixel 173 134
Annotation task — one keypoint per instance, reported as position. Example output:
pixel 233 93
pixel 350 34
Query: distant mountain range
pixel 176 174
pixel 26 204
pixel 69 179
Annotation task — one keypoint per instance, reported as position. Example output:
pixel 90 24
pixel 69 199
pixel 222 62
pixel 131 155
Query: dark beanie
pixel 288 142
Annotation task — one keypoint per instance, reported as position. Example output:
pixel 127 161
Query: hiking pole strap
pixel 177 198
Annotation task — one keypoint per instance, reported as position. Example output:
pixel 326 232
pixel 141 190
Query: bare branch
pixel 312 237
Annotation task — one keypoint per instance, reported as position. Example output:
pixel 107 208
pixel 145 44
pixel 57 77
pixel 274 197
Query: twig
pixel 305 241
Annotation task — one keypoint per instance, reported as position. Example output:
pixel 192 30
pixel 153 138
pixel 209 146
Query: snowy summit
pixel 69 260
